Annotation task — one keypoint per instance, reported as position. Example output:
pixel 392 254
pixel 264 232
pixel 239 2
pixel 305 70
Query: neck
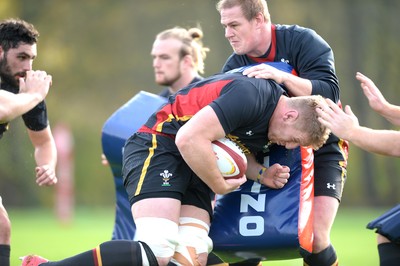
pixel 265 41
pixel 183 82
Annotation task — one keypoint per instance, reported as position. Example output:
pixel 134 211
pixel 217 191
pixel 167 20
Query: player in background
pixel 255 39
pixel 384 142
pixel 178 60
pixel 169 167
pixel 22 93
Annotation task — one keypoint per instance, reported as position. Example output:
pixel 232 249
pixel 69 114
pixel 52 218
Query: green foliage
pixel 99 55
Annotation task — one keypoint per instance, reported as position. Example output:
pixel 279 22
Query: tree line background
pixel 98 53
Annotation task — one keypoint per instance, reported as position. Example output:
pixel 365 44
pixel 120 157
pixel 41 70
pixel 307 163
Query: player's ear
pixel 291 115
pixel 260 20
pixel 188 60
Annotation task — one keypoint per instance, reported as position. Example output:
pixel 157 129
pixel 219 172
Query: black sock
pixel 5 255
pixel 110 253
pixel 389 254
pixel 326 257
pixel 213 259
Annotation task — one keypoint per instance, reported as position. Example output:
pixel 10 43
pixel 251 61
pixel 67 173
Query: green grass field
pixel 39 232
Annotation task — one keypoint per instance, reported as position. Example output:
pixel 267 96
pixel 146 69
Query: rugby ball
pixel 231 160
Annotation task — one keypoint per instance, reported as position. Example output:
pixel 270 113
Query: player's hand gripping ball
pixel 231 160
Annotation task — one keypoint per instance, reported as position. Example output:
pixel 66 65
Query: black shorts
pixel 154 168
pixel 330 163
pixel 388 225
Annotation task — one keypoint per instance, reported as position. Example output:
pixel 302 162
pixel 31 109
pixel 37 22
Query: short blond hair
pixel 250 8
pixel 309 123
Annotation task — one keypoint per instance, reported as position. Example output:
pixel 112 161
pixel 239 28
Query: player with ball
pixel 170 166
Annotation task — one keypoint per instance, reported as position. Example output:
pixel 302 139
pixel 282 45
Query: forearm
pixel 46 154
pixel 392 114
pixel 384 142
pixel 45 148
pixel 296 86
pixel 13 105
pixel 275 176
pixel 253 168
pixel 194 143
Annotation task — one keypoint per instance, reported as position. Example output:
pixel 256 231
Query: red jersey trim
pixel 97 257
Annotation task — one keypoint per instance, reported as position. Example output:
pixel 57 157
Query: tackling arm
pixel 194 143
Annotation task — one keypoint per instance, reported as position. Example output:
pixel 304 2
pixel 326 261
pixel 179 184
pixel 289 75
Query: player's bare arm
pixel 194 142
pixel 33 90
pixel 345 125
pixel 45 156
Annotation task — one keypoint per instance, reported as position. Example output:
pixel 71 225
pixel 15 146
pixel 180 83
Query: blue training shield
pixel 116 130
pixel 271 224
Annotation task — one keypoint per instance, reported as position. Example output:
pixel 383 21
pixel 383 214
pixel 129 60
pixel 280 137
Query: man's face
pixel 15 62
pixel 240 32
pixel 166 61
pixel 286 134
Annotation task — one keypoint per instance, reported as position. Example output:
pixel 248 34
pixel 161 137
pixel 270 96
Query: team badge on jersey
pixel 166 177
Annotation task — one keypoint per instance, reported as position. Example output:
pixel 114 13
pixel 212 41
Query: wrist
pixel 260 174
pixel 33 96
pixel 284 78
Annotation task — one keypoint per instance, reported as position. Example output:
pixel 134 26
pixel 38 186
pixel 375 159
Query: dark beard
pixel 8 81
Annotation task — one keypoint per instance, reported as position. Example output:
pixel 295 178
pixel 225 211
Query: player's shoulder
pixel 296 35
pixel 293 29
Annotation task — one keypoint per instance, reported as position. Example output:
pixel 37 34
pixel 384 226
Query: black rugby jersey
pixel 302 48
pixel 243 106
pixel 35 119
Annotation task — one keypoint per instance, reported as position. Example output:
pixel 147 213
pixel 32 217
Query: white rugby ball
pixel 231 160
